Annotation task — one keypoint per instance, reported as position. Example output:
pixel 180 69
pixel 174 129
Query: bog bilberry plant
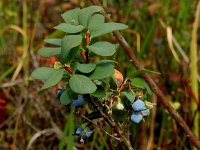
pixel 87 81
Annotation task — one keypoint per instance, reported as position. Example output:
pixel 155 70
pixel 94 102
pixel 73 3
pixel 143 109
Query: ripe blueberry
pixel 138 105
pixel 78 102
pixel 136 117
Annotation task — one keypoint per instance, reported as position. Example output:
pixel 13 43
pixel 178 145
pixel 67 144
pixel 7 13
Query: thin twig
pixel 152 84
pixel 100 128
pixel 112 123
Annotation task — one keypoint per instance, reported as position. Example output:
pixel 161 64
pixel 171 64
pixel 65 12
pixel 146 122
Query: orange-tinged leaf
pixel 119 77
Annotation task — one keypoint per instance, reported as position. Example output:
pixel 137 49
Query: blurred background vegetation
pixel 160 36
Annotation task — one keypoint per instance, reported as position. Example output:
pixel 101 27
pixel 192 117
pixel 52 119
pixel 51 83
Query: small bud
pixel 149 105
pixel 145 112
pixel 82 140
pixel 57 65
pixel 119 105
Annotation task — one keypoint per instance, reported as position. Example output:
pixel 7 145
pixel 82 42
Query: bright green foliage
pixel 67 97
pixel 85 77
pixel 68 28
pixel 129 95
pixel 67 43
pixel 85 13
pixel 100 92
pixel 82 84
pixel 141 83
pixel 53 79
pixel 96 21
pixel 49 51
pixel 86 68
pixel 107 28
pixel 43 73
pixel 103 48
pixel 71 16
pixel 54 41
pixel 102 71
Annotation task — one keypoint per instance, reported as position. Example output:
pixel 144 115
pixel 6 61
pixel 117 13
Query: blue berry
pixel 138 105
pixel 78 102
pixel 59 92
pixel 87 133
pixel 79 130
pixel 136 117
pixel 145 112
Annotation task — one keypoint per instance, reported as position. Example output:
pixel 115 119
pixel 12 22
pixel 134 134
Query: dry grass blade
pixel 170 42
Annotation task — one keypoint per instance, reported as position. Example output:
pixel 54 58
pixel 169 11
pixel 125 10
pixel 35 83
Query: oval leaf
pixel 49 51
pixel 67 97
pixel 68 28
pixel 102 71
pixel 141 83
pixel 85 13
pixel 103 48
pixel 53 79
pixel 107 28
pixel 53 41
pixel 67 43
pixel 86 68
pixel 130 96
pixel 71 16
pixel 82 84
pixel 99 93
pixel 42 73
pixel 95 21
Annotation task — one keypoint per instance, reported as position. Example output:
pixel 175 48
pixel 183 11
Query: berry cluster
pixel 140 110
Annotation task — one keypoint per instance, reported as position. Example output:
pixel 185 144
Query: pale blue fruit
pixel 138 105
pixel 136 117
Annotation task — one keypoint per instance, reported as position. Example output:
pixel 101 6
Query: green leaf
pixel 103 48
pixel 54 41
pixel 99 93
pixel 67 43
pixel 42 73
pixel 82 84
pixel 106 61
pixel 95 21
pixel 130 96
pixel 68 28
pixel 102 71
pixel 71 16
pixel 86 68
pixel 49 51
pixel 67 97
pixel 107 28
pixel 143 71
pixel 141 83
pixel 85 13
pixel 53 79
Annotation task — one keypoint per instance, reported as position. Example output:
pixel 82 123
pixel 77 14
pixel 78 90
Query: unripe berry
pixel 145 112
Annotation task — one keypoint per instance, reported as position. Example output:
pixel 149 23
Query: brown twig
pixel 152 84
pixel 118 139
pixel 112 124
